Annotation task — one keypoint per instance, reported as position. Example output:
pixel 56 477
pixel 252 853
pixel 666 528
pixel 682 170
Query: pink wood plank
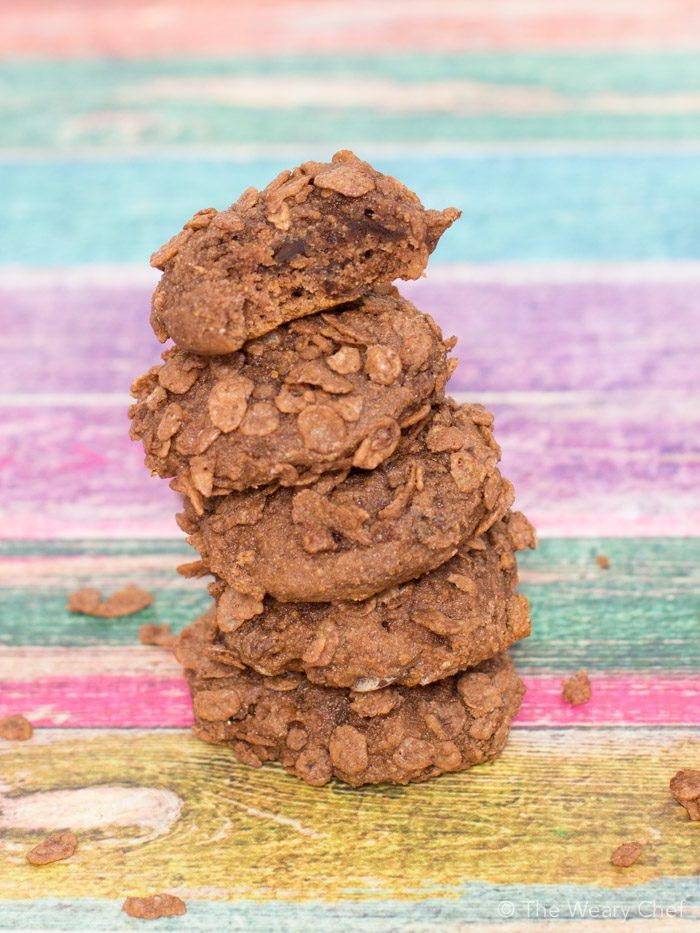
pixel 219 27
pixel 582 464
pixel 116 701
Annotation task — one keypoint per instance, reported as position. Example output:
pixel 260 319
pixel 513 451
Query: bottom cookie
pixel 396 735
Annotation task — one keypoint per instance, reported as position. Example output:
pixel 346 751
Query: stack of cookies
pixel 353 517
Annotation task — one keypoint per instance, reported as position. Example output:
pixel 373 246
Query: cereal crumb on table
pixel 154 906
pixel 16 728
pixel 126 602
pixel 685 787
pixel 626 854
pixel 54 848
pixel 602 561
pixel 159 635
pixel 576 690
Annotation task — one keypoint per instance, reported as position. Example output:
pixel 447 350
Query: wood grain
pixel 552 336
pixel 525 206
pixel 119 693
pixel 640 615
pixel 552 808
pixel 416 100
pixel 591 463
pixel 37 27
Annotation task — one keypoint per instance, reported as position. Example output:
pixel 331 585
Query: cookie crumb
pixel 685 787
pixel 576 690
pixel 626 854
pixel 16 728
pixel 154 906
pixel 602 561
pixel 54 848
pixel 159 635
pixel 126 602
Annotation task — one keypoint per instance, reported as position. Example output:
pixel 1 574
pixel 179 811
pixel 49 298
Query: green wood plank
pixel 114 103
pixel 641 614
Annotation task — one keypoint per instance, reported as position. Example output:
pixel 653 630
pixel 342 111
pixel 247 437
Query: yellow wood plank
pixel 162 810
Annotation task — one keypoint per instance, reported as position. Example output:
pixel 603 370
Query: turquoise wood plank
pixel 515 207
pixel 668 899
pixel 113 104
pixel 641 614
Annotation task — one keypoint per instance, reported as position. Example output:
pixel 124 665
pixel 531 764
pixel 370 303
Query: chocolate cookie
pixel 453 618
pixel 352 535
pixel 320 235
pixel 397 734
pixel 327 392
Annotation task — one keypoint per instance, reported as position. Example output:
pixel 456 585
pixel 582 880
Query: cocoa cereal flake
pixel 626 854
pixel 228 402
pixel 685 787
pixel 382 365
pixel 158 635
pixel 345 361
pixel 576 690
pixel 54 848
pixel 154 906
pixel 348 749
pixel 126 602
pixel 381 441
pixel 16 728
pixel 347 180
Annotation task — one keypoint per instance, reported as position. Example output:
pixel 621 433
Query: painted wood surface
pixel 115 695
pixel 640 615
pixel 136 797
pixel 583 464
pixel 549 336
pixel 440 99
pixel 568 134
pixel 515 206
pixel 37 27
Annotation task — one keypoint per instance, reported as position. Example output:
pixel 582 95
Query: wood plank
pixel 525 207
pixel 162 810
pixel 640 615
pixel 594 463
pixel 671 901
pixel 551 336
pixel 39 28
pixel 112 105
pixel 127 689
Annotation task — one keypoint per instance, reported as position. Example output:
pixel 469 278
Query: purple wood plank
pixel 583 464
pixel 96 338
pixel 75 338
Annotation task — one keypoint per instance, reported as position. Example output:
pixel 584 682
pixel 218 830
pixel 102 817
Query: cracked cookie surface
pixel 465 611
pixel 351 535
pixel 320 235
pixel 324 393
pixel 396 734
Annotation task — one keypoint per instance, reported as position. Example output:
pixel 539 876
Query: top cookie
pixel 320 235
pixel 325 393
